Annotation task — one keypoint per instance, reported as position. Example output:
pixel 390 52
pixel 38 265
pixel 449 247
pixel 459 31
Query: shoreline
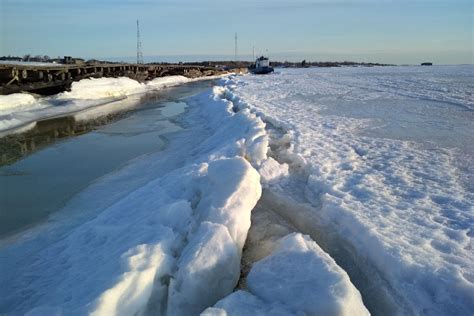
pixel 50 152
pixel 51 79
pixel 58 122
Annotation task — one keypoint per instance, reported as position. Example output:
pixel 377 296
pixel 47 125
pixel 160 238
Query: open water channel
pixel 40 183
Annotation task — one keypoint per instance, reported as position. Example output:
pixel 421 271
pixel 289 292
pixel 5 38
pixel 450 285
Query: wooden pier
pixel 47 79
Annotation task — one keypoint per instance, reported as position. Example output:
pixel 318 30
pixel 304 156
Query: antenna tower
pixel 139 45
pixel 236 47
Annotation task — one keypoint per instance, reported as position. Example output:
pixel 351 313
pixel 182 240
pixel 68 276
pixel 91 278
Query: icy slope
pixel 164 235
pixel 379 175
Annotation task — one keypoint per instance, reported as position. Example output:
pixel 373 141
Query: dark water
pixel 44 180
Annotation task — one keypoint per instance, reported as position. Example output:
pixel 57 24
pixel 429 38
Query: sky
pixel 386 31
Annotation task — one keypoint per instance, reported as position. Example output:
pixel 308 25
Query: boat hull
pixel 261 70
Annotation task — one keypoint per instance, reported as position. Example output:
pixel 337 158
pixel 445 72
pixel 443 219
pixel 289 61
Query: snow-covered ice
pixel 380 175
pixel 15 101
pixel 297 278
pixel 168 244
pixel 367 204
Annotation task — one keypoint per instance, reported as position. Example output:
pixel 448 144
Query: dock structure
pixel 50 78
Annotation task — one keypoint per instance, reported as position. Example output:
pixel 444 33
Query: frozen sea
pixel 383 158
pixel 341 191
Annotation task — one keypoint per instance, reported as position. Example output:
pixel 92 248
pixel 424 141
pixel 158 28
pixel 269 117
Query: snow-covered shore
pixel 169 242
pixel 22 110
pixel 346 220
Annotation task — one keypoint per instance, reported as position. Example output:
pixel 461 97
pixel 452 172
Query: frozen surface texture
pixel 373 164
pixel 302 276
pixel 383 159
pixel 164 235
pixel 242 303
pixel 297 278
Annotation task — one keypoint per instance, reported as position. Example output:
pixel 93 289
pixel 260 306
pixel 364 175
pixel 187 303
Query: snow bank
pixel 19 110
pixel 169 245
pixel 15 101
pixel 208 269
pixel 102 88
pixel 168 81
pixel 195 261
pixel 298 277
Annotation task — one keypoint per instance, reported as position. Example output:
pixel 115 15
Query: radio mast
pixel 235 38
pixel 139 45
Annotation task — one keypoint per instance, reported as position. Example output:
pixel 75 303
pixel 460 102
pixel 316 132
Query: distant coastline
pixel 243 61
pixel 198 61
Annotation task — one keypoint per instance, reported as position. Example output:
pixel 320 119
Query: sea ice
pixel 379 175
pixel 353 157
pixel 297 278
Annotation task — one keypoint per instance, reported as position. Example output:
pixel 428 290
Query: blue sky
pixel 392 31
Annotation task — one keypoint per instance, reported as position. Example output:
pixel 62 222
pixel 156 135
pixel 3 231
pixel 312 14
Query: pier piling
pixel 50 78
